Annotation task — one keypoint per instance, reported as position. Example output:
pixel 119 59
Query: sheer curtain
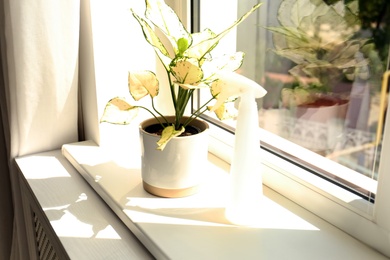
pixel 38 93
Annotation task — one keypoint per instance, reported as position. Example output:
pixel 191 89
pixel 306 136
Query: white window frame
pixel 314 194
pixel 361 219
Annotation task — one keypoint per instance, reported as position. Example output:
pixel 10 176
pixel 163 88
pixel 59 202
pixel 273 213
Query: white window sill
pixel 332 203
pixel 195 227
pixel 82 222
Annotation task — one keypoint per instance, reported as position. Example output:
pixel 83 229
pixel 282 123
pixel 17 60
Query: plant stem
pixel 172 88
pixel 183 99
pixel 166 121
pixel 196 114
pixel 153 115
pixel 192 117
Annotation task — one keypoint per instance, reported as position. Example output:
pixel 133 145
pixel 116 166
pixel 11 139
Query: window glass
pixel 322 64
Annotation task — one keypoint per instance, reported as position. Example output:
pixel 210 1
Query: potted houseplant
pixel 321 40
pixel 174 147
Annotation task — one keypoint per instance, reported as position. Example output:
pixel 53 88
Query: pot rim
pixel 199 123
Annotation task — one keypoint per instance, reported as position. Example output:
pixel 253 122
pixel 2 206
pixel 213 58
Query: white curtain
pixel 38 93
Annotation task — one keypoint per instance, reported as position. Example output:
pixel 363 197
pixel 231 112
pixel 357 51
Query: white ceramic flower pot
pixel 177 170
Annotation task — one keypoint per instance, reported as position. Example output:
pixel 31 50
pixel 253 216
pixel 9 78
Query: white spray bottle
pixel 245 191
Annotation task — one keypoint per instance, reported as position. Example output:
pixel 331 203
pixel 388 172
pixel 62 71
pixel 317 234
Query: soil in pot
pixel 157 130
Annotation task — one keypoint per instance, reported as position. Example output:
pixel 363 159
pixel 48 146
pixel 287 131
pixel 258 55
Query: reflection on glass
pixel 322 63
pixel 327 66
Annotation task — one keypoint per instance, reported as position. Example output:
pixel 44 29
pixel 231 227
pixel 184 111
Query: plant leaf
pixel 295 97
pixel 201 49
pixel 294 12
pixel 225 111
pixel 162 16
pixel 143 83
pixel 186 70
pixel 226 62
pixel 224 92
pixel 182 46
pixel 194 86
pixel 207 45
pixel 119 111
pixel 152 38
pixel 168 133
pixel 232 85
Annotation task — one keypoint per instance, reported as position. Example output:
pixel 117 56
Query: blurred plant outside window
pixel 322 63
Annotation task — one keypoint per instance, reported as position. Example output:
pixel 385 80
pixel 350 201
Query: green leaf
pixel 182 45
pixel 162 16
pixel 143 83
pixel 119 111
pixel 168 133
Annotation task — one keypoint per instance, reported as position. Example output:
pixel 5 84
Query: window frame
pixel 318 195
pixel 285 177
